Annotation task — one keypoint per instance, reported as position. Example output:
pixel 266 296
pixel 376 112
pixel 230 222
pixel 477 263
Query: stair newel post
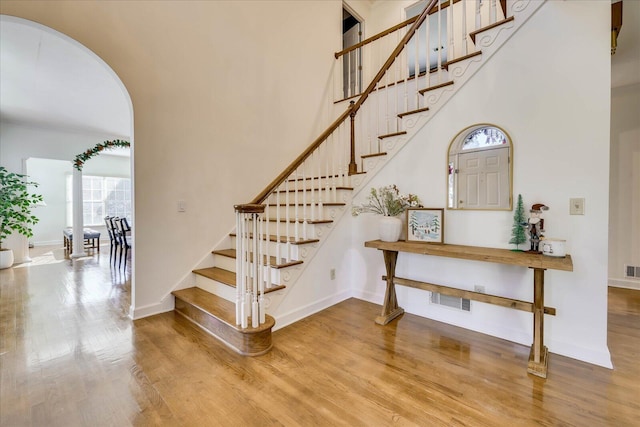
pixel 353 167
pixel 238 267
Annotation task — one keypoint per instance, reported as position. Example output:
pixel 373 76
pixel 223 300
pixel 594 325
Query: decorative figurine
pixel 535 226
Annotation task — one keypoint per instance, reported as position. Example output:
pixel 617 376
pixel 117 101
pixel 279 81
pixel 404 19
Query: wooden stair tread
pixel 366 156
pixel 227 277
pixel 293 190
pixel 284 239
pixel 273 262
pixel 473 34
pixel 441 85
pixel 309 221
pixel 408 113
pixel 217 316
pixel 313 177
pixel 389 135
pixel 462 58
pixel 309 204
pixel 212 304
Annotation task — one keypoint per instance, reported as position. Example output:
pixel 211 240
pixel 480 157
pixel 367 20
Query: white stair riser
pixel 225 291
pixel 229 264
pixel 318 213
pixel 289 229
pixel 295 250
pixel 330 196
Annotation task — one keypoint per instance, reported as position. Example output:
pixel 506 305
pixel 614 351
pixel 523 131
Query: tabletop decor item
pixel 425 225
pixel 390 203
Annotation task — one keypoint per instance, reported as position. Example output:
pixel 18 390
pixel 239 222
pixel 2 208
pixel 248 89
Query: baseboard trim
pixel 167 304
pixel 293 316
pixel 623 283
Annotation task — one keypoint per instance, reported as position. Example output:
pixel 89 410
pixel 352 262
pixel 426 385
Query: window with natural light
pixel 101 196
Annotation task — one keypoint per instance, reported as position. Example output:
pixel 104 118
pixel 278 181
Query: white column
pixel 78 227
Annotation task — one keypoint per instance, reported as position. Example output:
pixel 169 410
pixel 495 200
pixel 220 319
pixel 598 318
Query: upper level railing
pixel 408 59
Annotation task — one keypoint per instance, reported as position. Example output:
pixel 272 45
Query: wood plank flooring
pixel 69 356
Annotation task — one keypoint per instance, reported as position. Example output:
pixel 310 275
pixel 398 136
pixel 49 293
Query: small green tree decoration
pixel 15 204
pixel 518 235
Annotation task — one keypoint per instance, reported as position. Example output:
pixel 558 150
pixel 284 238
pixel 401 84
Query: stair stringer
pixel 489 41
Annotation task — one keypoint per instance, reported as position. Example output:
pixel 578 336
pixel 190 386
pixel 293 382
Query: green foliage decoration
pixel 518 235
pixel 16 203
pixel 82 158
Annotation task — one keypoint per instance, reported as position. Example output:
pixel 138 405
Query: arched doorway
pixel 58 98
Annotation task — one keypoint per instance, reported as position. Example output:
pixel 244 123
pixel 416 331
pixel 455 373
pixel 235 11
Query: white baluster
pixel 254 282
pixel 304 200
pixel 313 200
pixel 267 220
pixel 320 205
pixel 464 30
pixel 296 232
pixel 287 220
pixel 278 249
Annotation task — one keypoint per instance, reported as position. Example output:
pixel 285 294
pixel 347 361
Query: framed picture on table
pixel 425 225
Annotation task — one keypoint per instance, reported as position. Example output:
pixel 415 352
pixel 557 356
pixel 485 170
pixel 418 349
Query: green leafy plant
pixel 387 201
pixel 15 204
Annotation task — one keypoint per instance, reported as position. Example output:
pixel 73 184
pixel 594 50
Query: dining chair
pixel 124 233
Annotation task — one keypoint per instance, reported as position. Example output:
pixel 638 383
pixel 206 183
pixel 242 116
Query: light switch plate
pixel 576 206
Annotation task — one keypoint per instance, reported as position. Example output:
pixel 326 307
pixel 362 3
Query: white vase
pixel 6 258
pixel 390 228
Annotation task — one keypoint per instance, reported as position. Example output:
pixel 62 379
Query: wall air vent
pixel 449 301
pixel 632 271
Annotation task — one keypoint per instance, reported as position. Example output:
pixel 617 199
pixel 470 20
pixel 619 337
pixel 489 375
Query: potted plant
pixel 390 203
pixel 15 210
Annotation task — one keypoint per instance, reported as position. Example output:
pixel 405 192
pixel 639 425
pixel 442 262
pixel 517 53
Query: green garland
pixel 81 158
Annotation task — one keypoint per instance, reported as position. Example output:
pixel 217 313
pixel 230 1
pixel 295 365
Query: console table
pixel 538 357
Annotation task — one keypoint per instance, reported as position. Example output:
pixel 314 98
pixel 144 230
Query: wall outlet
pixel 332 274
pixel 480 289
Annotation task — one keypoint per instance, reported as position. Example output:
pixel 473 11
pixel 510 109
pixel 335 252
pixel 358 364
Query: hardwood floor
pixel 69 356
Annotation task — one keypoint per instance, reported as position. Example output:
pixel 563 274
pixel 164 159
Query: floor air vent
pixel 632 271
pixel 449 301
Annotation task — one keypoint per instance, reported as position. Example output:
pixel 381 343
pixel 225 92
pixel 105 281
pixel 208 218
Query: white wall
pixel 556 156
pixel 225 95
pixel 624 203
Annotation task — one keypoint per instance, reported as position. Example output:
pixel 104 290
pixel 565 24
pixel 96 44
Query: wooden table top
pixel 477 253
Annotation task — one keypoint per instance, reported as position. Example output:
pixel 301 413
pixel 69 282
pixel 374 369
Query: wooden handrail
pixel 301 158
pixel 350 111
pixel 376 37
pixel 393 56
pixel 395 28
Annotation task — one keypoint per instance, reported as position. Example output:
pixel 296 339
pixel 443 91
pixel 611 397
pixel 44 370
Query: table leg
pixel 390 309
pixel 538 357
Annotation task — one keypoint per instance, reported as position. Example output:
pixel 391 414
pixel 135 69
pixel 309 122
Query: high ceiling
pixel 49 80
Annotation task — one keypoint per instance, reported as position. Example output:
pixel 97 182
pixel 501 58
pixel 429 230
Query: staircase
pixel 294 214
